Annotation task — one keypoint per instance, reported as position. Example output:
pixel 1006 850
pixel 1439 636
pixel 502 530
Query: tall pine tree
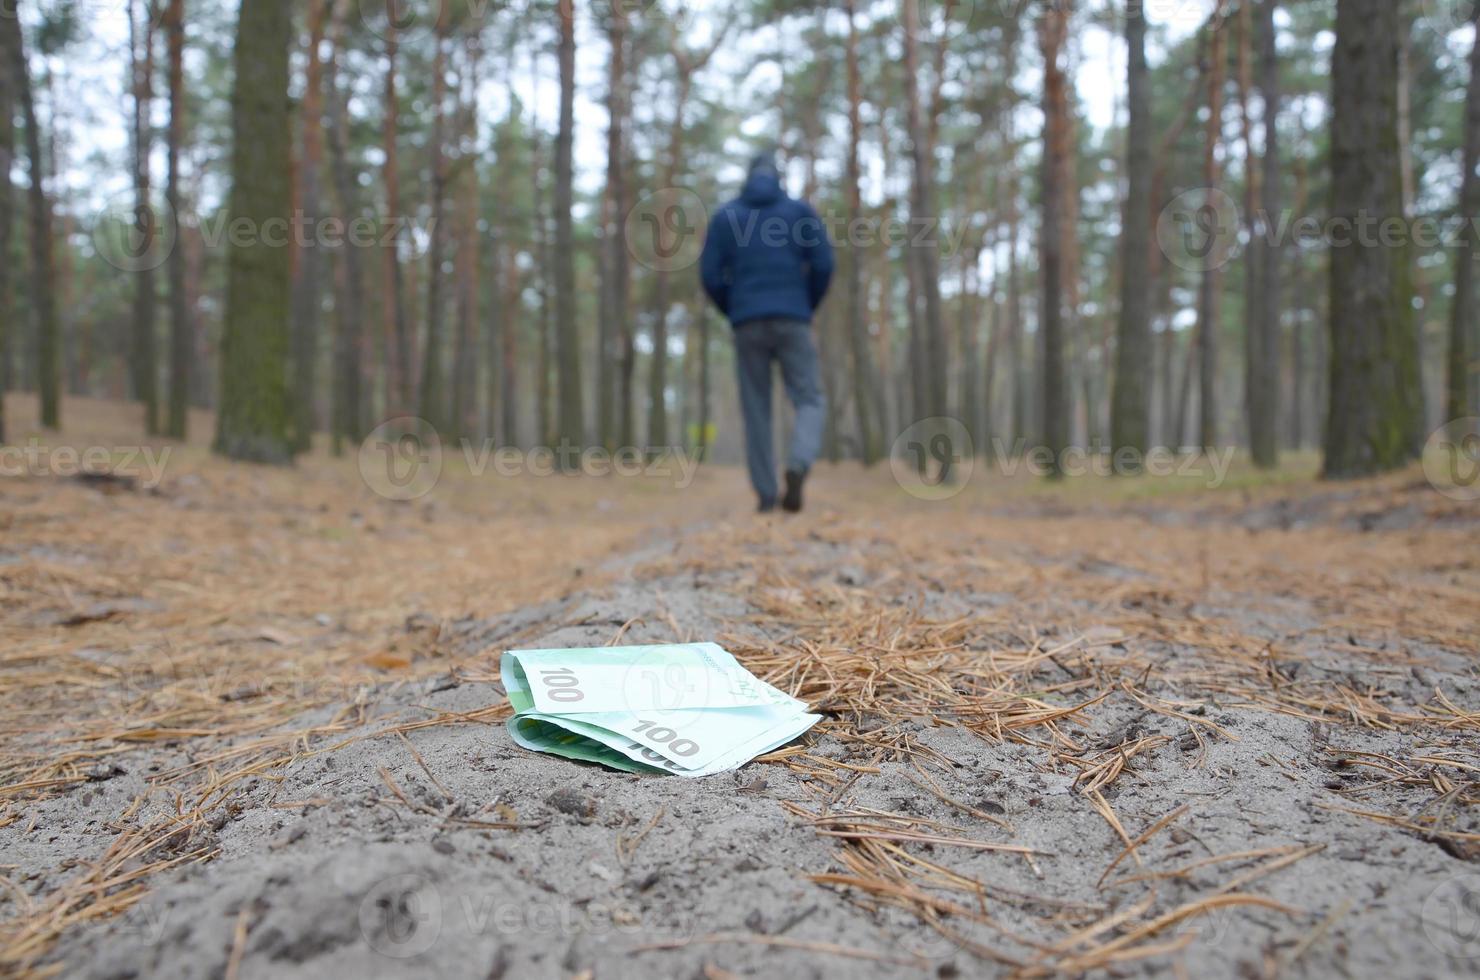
pixel 254 421
pixel 1462 316
pixel 1130 418
pixel 43 265
pixel 181 322
pixel 7 209
pixel 1375 418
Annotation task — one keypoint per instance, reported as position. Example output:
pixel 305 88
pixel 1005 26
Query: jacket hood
pixel 762 189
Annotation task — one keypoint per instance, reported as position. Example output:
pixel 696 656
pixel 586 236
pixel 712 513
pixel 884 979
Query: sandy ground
pixel 1215 735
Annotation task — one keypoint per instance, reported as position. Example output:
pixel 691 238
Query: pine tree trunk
pixel 1264 390
pixel 989 370
pixel 616 274
pixel 434 395
pixel 916 352
pixel 145 370
pixel 1303 395
pixel 627 386
pixel 657 436
pixel 544 418
pixel 203 393
pixel 1463 314
pixel 509 355
pixel 498 320
pixel 968 404
pixel 915 371
pixel 1425 305
pixel 465 339
pixel 1130 421
pixel 76 330
pixel 864 385
pixel 348 397
pixel 934 400
pixel 939 339
pixel 47 345
pixel 572 411
pixel 7 209
pixel 704 380
pixel 1019 371
pixel 182 327
pixel 826 326
pixel 687 380
pixel 626 339
pixel 1176 399
pixel 1320 362
pixel 1263 442
pixel 1375 416
pixel 466 353
pixel 1076 335
pixel 1166 351
pixel 892 402
pixel 400 369
pixel 1053 33
pixel 657 418
pixel 255 419
pixel 1210 289
pixel 309 270
pixel 1298 375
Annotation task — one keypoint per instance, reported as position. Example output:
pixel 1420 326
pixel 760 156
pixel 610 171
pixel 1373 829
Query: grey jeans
pixel 789 342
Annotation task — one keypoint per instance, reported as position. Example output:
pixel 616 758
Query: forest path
pixel 1272 692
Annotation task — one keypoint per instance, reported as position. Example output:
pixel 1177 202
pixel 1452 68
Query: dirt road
pixel 253 728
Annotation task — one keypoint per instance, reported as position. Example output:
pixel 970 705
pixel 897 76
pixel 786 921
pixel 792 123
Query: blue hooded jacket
pixel 766 255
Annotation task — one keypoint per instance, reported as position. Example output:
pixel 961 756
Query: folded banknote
pixel 688 708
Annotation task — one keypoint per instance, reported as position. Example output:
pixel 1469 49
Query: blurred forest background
pixel 1113 186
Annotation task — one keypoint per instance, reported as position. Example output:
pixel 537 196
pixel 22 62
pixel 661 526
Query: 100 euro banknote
pixel 689 709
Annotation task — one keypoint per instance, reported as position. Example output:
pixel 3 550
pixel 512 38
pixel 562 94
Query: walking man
pixel 767 263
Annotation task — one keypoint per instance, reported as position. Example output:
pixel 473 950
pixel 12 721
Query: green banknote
pixel 639 678
pixel 541 736
pixel 688 709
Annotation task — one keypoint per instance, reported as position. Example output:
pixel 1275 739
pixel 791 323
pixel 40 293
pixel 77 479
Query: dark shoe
pixel 766 507
pixel 792 502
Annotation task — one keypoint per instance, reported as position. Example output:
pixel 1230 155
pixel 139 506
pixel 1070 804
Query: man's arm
pixel 819 255
pixel 714 262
